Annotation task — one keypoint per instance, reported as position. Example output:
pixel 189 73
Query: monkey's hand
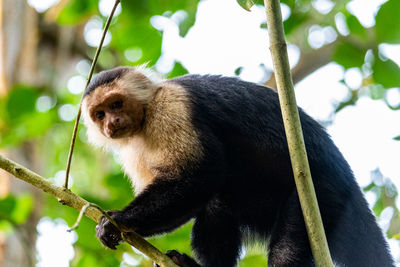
pixel 107 233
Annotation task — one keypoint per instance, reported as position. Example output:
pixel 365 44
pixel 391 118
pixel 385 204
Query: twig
pixel 68 198
pixel 81 213
pixel 78 116
pixel 294 135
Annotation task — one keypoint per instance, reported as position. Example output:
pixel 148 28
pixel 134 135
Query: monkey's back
pixel 246 118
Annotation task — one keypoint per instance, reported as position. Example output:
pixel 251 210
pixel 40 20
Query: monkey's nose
pixel 115 121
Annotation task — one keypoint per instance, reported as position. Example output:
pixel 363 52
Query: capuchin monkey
pixel 213 149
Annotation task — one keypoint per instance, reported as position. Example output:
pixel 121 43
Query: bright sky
pixel 226 36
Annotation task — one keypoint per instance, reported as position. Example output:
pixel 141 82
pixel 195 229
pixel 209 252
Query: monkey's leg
pixel 216 237
pixel 289 245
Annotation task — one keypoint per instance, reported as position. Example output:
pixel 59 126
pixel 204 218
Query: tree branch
pixel 313 59
pixel 66 197
pixel 294 136
pixel 308 63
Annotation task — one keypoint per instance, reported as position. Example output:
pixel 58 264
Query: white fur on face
pixel 95 136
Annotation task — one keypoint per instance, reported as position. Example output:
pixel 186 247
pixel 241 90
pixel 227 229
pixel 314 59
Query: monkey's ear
pixel 138 85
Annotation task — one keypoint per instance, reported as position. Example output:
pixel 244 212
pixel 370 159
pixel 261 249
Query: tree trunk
pixel 18 44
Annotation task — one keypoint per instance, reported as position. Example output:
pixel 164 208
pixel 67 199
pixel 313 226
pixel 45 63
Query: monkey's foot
pixel 181 259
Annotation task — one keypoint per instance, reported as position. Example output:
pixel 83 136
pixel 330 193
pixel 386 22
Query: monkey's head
pixel 114 105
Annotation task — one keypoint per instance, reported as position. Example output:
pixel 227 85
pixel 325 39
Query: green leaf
pixel 397 138
pixel 295 20
pixel 369 187
pixel 246 4
pixel 178 70
pixel 16 209
pixel 355 26
pixel 143 10
pixel 189 20
pixel 349 56
pixel 141 34
pixel 7 205
pixel 387 73
pixel 76 11
pixel 38 123
pixel 21 101
pixel 379 206
pixel 134 29
pixel 6 227
pixel 348 102
pixel 238 71
pixel 387 22
pixel 289 3
pixel 376 91
pixel 22 209
pixel 186 24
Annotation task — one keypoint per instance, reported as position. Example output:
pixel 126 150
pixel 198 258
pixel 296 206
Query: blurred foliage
pixel 386 194
pixel 15 209
pixel 34 114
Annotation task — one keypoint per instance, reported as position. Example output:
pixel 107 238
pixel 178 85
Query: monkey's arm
pixel 169 201
pixel 167 204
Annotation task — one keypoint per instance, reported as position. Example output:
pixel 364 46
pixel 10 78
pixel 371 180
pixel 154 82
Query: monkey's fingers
pixel 109 241
pixel 108 234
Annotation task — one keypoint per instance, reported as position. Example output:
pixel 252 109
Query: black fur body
pixel 243 185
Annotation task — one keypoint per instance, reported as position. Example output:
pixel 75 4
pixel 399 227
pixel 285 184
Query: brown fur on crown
pixel 168 140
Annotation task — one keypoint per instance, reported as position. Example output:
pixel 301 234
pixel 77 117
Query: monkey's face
pixel 116 114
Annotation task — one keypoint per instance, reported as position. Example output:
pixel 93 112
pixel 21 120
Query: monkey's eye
pixel 116 105
pixel 100 114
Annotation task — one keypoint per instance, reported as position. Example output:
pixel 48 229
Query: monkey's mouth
pixel 119 133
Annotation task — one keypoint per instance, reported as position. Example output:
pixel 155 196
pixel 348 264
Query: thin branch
pixel 78 116
pixel 294 135
pixel 66 197
pixel 82 212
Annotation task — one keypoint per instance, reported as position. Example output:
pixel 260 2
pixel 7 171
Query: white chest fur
pixel 139 163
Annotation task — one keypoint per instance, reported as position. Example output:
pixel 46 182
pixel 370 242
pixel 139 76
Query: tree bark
pixel 19 38
pixel 294 135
